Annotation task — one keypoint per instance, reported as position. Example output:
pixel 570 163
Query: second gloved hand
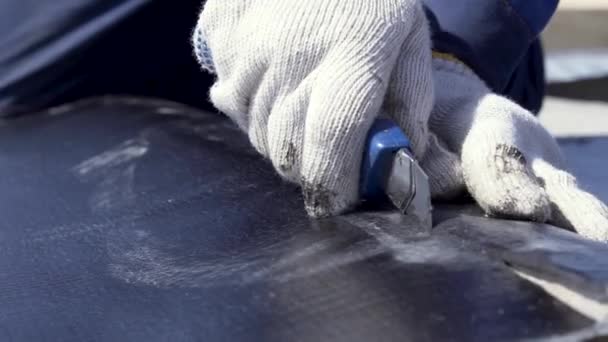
pixel 306 80
pixel 511 165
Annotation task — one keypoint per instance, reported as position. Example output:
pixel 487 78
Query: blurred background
pixel 576 110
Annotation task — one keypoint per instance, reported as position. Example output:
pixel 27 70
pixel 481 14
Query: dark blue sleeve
pixel 534 13
pixel 491 36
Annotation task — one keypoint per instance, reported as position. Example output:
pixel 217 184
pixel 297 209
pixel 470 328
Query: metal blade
pixel 408 189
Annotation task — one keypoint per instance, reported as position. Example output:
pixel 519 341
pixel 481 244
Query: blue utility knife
pixel 390 172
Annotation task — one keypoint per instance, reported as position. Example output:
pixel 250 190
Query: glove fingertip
pixel 202 51
pixel 501 181
pixel 321 202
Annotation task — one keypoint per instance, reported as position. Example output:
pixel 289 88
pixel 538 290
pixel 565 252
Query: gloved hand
pixel 306 79
pixel 510 164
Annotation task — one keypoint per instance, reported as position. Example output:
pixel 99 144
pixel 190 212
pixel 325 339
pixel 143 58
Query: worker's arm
pixel 306 80
pixel 510 164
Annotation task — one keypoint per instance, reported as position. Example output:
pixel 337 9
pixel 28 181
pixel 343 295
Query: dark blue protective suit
pixel 62 50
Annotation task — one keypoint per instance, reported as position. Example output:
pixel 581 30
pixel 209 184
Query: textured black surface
pixel 133 222
pixel 542 250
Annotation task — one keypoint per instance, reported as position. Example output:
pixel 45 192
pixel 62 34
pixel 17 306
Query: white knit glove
pixel 510 164
pixel 306 79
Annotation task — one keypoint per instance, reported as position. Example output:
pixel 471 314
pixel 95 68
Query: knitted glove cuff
pixel 202 51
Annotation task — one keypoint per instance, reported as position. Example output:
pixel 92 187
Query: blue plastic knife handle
pixel 384 139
